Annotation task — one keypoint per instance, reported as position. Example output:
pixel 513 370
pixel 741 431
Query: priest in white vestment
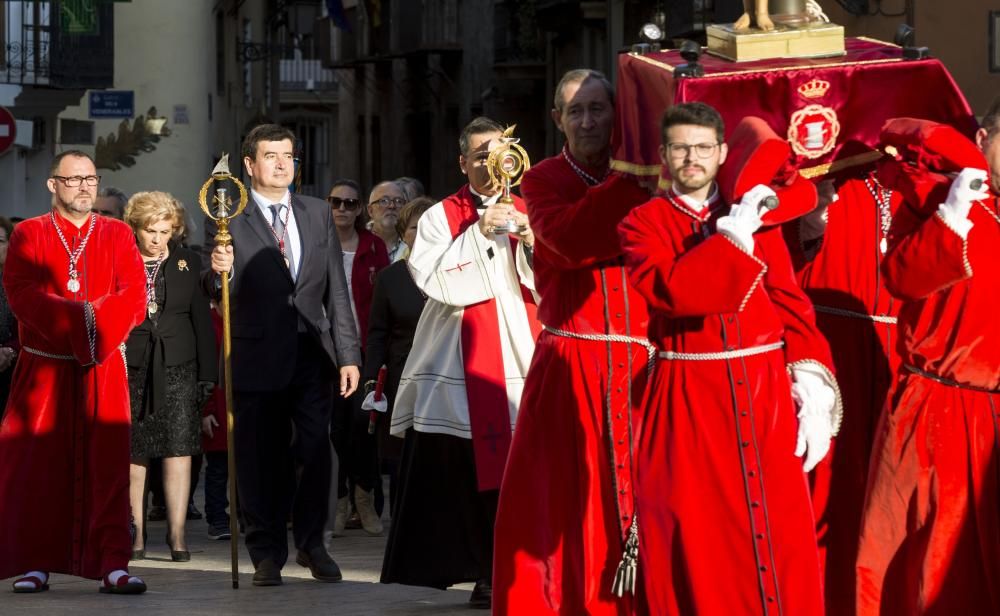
pixel 460 390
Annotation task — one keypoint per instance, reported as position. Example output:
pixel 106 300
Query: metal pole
pixel 222 214
pixel 227 371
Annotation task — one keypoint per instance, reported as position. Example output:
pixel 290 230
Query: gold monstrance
pixel 506 165
pixel 221 211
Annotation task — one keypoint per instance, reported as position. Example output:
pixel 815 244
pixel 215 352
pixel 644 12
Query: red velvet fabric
pixel 932 145
pixel 726 525
pixel 930 541
pixel 64 441
pixel 369 259
pixel 560 528
pixel 868 86
pixel 843 274
pixel 758 156
pixel 928 153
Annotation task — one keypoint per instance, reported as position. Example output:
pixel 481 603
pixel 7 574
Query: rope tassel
pixel 626 574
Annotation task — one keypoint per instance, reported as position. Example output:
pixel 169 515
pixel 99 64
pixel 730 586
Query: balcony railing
pixel 66 44
pixel 25 63
pixel 306 75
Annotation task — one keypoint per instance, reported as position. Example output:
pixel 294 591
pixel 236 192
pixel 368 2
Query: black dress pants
pixel 357 451
pixel 283 458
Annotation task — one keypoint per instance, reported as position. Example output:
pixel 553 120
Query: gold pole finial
pixel 222 211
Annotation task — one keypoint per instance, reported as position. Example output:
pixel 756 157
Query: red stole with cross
pixel 485 377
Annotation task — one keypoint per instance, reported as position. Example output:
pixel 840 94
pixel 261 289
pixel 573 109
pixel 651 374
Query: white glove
pixel 815 400
pixel 955 209
pixel 744 217
pixel 371 404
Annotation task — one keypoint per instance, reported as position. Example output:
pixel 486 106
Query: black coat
pixel 396 307
pixel 266 305
pixel 183 326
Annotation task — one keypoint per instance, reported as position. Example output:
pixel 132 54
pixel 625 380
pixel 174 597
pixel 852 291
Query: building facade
pixel 374 89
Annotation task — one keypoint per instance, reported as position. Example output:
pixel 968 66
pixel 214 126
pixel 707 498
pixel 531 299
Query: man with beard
pixel 566 503
pixel 75 282
pixel 721 494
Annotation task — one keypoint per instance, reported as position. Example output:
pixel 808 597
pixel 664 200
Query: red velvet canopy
pixel 819 105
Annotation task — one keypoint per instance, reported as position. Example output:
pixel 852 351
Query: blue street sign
pixel 112 103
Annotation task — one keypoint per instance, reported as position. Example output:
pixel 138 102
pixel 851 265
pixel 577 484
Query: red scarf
pixel 485 378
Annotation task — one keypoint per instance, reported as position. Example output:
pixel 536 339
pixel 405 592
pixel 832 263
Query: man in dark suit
pixel 291 326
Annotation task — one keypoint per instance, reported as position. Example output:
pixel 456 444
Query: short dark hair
pixel 698 114
pixel 264 132
pixel 66 154
pixel 580 75
pixel 477 126
pixel 348 183
pixel 991 121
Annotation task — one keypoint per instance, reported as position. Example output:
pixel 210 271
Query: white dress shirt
pixel 292 244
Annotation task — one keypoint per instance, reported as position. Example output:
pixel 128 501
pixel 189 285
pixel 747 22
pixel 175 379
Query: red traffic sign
pixel 8 130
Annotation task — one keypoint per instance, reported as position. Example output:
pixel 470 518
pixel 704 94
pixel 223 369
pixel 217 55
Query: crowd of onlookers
pixel 178 413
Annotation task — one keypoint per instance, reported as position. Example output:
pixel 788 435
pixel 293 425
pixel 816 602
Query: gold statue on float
pixel 777 29
pixel 766 14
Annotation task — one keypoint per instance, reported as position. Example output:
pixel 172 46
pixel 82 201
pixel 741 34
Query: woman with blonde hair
pixel 172 364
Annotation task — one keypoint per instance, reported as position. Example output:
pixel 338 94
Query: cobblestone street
pixel 203 585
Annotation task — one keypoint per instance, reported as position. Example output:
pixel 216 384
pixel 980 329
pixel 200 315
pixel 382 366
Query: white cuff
pixel 955 220
pixel 820 382
pixel 741 234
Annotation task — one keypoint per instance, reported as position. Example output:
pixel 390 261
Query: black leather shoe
pixel 267 574
pixel 193 513
pixel 156 514
pixel 318 561
pixel 482 595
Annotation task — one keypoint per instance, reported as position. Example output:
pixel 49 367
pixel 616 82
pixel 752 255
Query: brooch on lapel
pixel 182 265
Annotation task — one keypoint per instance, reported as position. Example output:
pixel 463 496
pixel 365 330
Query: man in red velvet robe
pixel 726 524
pixel 837 250
pixel 566 501
pixel 930 541
pixel 75 282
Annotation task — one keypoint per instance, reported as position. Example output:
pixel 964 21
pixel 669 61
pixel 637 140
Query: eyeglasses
pixel 75 180
pixel 349 204
pixel 701 150
pixel 385 201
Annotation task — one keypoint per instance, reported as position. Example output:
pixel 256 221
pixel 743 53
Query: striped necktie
pixel 278 225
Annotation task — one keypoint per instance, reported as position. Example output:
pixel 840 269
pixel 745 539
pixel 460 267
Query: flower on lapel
pixel 182 265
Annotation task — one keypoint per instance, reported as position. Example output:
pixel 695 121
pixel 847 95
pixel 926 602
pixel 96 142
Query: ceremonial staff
pixel 224 212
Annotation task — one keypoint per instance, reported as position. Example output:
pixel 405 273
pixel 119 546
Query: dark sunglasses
pixel 349 204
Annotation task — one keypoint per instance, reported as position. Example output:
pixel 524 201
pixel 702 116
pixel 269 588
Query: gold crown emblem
pixel 814 89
